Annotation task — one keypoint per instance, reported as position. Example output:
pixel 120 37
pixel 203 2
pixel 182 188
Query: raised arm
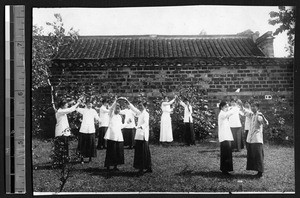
pixel 169 103
pixel 182 103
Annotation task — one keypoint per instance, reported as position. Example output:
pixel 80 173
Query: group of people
pixel 113 133
pixel 111 125
pixel 231 136
pixel 113 130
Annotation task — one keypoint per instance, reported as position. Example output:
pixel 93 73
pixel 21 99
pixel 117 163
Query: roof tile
pixel 103 47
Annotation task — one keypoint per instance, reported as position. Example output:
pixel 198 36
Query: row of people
pixel 113 133
pixel 254 136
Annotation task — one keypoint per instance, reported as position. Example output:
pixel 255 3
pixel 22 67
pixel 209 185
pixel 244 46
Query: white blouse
pixel 104 116
pixel 62 123
pixel 255 134
pixel 188 110
pixel 88 120
pixel 224 131
pixel 234 120
pixel 247 119
pixel 114 131
pixel 129 117
pixel 142 131
pixel 165 106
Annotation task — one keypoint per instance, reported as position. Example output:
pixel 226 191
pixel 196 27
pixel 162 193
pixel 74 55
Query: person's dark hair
pixel 232 100
pixel 144 103
pixel 222 104
pixel 104 101
pixel 62 103
pixel 256 104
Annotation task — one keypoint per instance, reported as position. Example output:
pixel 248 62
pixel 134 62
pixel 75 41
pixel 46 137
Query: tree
pixel 44 47
pixel 286 20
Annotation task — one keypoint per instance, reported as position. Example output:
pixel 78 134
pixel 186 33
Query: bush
pixel 281 122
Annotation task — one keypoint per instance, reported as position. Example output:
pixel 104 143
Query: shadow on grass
pixel 209 150
pixel 214 174
pixel 108 174
pixel 49 166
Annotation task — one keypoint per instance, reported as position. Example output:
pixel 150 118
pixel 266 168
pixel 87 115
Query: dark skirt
pixel 128 135
pixel 226 156
pixel 237 136
pixel 114 153
pixel 189 135
pixel 255 157
pixel 142 156
pixel 100 134
pixel 87 145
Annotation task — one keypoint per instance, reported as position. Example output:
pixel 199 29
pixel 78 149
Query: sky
pixel 173 20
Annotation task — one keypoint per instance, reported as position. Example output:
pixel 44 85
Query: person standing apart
pixel 114 137
pixel 255 153
pixel 142 156
pixel 62 128
pixel 86 142
pixel 189 134
pixel 236 127
pixel 166 134
pixel 103 124
pixel 129 130
pixel 225 137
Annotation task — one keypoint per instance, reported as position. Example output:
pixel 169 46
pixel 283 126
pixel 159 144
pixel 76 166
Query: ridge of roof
pixel 152 36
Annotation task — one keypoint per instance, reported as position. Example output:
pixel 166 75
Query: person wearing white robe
pixel 166 134
pixel 225 137
pixel 129 130
pixel 142 156
pixel 87 145
pixel 62 127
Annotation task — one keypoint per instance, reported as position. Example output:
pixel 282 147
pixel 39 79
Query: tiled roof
pixel 109 47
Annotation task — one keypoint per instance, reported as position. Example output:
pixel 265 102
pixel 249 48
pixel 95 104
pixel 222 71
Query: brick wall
pixel 220 76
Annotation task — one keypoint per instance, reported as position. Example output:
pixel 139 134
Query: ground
pixel 176 168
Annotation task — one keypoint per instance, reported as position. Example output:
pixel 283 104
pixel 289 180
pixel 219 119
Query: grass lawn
pixel 176 168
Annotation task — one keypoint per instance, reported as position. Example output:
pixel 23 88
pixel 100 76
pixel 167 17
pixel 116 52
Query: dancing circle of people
pixel 113 133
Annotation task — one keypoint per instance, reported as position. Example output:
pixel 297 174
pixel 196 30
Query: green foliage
pixel 286 19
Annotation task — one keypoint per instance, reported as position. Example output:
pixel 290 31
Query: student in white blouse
pixel 86 142
pixel 129 130
pixel 62 128
pixel 142 156
pixel 189 134
pixel 236 127
pixel 255 153
pixel 115 146
pixel 166 134
pixel 225 137
pixel 103 124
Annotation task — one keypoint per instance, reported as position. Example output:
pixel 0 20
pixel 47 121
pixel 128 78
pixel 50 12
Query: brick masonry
pixel 219 76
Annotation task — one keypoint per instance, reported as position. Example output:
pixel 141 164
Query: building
pixel 221 64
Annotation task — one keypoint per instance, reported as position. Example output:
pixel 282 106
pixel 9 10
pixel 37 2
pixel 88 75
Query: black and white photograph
pixel 163 99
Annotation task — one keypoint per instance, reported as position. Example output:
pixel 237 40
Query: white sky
pixel 176 20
